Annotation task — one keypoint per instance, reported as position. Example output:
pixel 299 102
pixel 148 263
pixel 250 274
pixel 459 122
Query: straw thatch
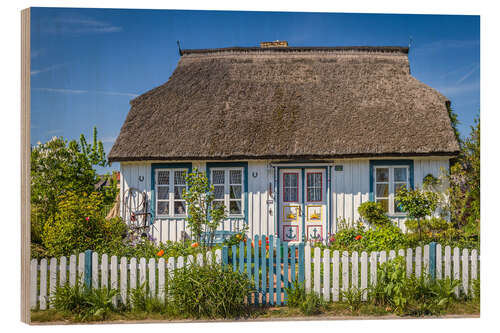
pixel 253 103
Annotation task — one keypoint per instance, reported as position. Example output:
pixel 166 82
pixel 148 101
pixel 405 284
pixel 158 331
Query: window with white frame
pixel 228 189
pixel 388 180
pixel 170 185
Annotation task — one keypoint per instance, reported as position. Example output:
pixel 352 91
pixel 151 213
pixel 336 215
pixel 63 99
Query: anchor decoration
pixel 314 233
pixel 289 234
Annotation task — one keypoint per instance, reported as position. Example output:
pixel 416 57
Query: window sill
pixel 175 217
pixel 396 216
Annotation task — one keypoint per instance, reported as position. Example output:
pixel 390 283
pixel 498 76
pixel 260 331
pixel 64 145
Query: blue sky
pixel 87 64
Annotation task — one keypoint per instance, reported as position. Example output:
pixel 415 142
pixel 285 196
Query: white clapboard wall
pixel 350 188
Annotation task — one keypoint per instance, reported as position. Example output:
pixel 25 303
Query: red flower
pixel 87 218
pixel 358 237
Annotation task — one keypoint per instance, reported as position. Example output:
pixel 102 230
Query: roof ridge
pixel 384 49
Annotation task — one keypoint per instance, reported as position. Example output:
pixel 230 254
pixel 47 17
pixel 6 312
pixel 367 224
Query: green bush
pixel 312 305
pixel 433 225
pixel 476 290
pixel 411 295
pixel 296 294
pixel 84 303
pixel 210 292
pixel 79 225
pixel 308 303
pixel 353 298
pixel 142 301
pixel 383 238
pixel 374 214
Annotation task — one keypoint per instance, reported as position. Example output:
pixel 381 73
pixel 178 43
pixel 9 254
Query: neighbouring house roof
pixel 287 102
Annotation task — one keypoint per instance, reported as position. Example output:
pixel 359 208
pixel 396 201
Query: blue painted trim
pixel 244 165
pixel 154 167
pixel 374 163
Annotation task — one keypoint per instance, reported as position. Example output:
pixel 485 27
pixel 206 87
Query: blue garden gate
pixel 270 263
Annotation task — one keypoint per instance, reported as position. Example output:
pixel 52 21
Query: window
pixel 314 186
pixel 228 188
pixel 290 187
pixel 170 185
pixel 387 181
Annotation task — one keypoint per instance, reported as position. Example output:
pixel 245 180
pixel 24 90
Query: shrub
pixel 79 225
pixel 476 289
pixel 312 305
pixel 209 292
pixel 433 225
pixel 383 238
pixel 203 214
pixel 308 303
pixel 353 297
pixel 59 167
pixel 411 295
pixel 84 303
pixel 142 301
pixel 417 203
pixel 296 294
pixel 373 213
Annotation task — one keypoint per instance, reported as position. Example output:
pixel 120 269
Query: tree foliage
pixel 465 182
pixel 374 214
pixel 79 225
pixel 203 215
pixel 417 203
pixel 59 167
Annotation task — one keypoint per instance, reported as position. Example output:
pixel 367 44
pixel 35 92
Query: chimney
pixel 277 43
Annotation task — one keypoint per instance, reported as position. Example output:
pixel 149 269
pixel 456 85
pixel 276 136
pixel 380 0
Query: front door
pixel 302 213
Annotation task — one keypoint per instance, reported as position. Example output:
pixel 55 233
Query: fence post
pixel 88 268
pixel 432 260
pixel 301 263
pixel 224 255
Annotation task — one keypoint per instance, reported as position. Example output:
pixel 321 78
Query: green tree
pixel 59 167
pixel 417 203
pixel 203 215
pixel 465 180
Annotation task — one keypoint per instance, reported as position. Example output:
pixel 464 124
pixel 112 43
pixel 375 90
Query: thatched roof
pixel 287 102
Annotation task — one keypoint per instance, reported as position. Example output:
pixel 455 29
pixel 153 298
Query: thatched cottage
pixel 292 138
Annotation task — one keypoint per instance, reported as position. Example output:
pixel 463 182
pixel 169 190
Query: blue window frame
pixel 167 185
pixel 386 177
pixel 230 181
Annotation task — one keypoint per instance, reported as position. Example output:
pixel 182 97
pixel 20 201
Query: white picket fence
pixel 328 273
pixel 325 272
pixel 107 272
